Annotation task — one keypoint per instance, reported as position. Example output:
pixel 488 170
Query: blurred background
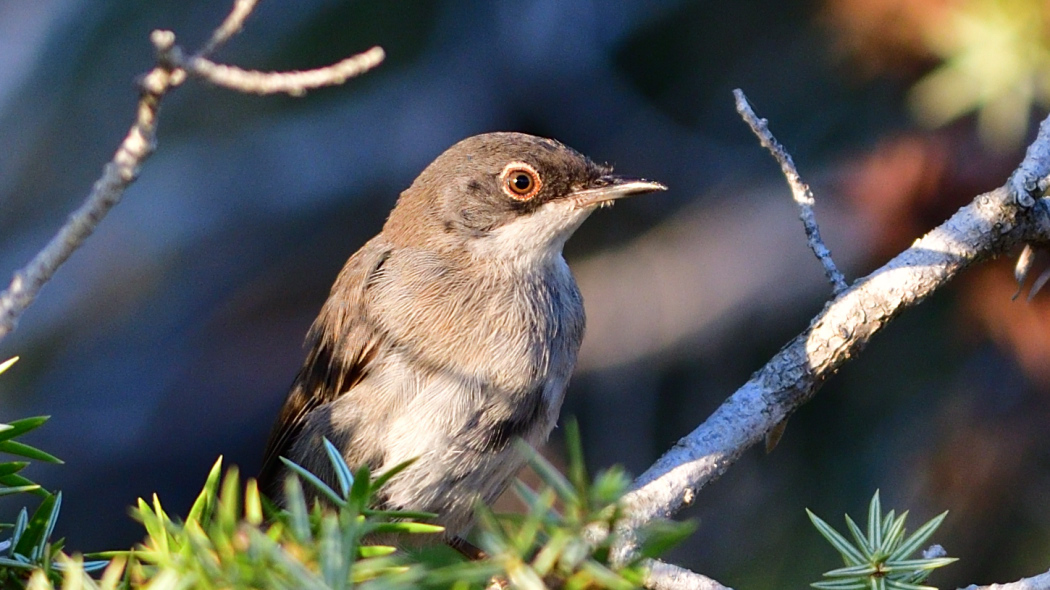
pixel 172 336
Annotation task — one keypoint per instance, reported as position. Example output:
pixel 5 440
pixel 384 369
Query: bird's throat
pixel 531 241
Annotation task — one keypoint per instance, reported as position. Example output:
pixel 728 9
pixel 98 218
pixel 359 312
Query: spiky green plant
pixel 880 559
pixel 28 547
pixel 232 537
pixel 551 546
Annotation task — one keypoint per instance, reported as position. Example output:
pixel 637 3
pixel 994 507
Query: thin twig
pixel 293 83
pixel 140 143
pixel 231 26
pixel 799 190
pixel 988 226
pixel 120 172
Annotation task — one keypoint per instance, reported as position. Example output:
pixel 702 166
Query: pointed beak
pixel 607 189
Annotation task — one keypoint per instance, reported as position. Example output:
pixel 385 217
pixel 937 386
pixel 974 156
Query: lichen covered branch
pixel 991 224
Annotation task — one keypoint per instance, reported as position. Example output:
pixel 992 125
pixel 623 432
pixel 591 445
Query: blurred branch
pixel 293 83
pixel 1040 582
pixel 140 142
pixel 665 576
pixel 231 26
pixel 991 224
pixel 799 190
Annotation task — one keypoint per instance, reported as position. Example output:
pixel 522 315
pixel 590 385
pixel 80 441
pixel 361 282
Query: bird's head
pixel 506 195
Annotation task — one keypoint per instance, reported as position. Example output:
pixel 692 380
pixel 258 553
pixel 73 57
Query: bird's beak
pixel 607 189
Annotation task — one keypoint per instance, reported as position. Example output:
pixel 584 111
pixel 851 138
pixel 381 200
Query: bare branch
pixel 799 190
pixel 1040 582
pixel 120 172
pixel 293 83
pixel 989 225
pixel 140 142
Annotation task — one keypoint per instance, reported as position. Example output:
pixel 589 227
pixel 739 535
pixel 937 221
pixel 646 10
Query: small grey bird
pixel 452 331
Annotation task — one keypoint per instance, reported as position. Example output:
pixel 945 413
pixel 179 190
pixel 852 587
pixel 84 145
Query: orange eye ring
pixel 520 181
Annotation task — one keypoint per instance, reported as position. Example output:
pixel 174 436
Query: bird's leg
pixel 467 549
pixel 475 553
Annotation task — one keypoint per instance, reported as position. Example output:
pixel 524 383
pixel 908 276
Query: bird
pixel 453 331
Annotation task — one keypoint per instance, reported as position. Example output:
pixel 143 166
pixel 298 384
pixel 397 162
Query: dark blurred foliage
pixel 171 337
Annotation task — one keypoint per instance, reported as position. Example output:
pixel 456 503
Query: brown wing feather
pixel 341 351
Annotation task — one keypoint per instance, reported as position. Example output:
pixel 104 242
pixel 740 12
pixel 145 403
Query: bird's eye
pixel 520 181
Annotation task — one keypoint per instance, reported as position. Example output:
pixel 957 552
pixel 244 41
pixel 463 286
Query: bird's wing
pixel 342 348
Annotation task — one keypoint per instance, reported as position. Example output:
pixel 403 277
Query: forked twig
pixel 140 143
